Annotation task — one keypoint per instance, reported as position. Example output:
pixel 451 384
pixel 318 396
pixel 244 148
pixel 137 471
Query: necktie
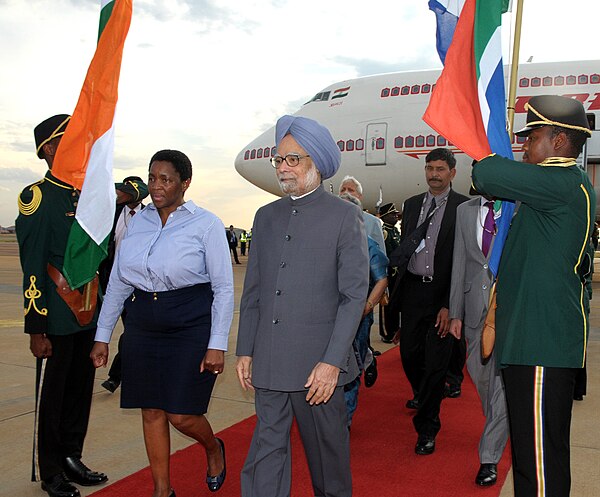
pixel 431 209
pixel 132 212
pixel 489 229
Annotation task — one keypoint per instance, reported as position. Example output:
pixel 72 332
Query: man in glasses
pixel 304 294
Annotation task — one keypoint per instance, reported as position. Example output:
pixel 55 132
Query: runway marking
pixel 11 323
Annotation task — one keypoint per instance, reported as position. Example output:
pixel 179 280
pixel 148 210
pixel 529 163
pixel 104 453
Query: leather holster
pixel 74 298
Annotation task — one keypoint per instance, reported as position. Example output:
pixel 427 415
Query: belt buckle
pixel 427 279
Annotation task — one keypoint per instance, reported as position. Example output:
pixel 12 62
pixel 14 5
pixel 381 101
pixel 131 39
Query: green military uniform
pixel 389 315
pixel 391 236
pixel 46 213
pixel 65 373
pixel 540 318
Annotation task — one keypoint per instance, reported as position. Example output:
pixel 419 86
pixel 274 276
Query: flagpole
pixel 514 71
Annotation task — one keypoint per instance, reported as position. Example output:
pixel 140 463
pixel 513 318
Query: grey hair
pixel 355 181
pixel 351 198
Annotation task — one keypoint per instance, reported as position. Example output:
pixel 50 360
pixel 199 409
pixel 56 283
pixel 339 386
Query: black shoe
pixel 371 374
pixel 79 473
pixel 487 475
pixel 412 404
pixel 452 391
pixel 386 339
pixel 376 353
pixel 214 483
pixel 60 486
pixel 110 385
pixel 425 445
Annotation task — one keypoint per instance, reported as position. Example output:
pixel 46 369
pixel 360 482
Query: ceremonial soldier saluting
pixel 60 324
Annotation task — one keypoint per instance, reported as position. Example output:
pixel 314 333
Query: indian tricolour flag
pixel 84 158
pixel 468 104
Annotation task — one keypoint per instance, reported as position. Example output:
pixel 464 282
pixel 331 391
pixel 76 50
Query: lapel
pixel 447 221
pixel 470 223
pixel 413 218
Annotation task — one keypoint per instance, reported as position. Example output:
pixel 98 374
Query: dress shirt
pixel 188 250
pixel 483 210
pixel 122 223
pixel 421 262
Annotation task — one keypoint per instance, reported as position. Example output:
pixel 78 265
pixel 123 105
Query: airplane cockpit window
pixel 320 97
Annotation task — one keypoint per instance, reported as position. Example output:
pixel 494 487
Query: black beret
pixel 47 130
pixel 387 209
pixel 552 110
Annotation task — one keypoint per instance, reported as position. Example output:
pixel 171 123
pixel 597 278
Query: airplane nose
pixel 259 172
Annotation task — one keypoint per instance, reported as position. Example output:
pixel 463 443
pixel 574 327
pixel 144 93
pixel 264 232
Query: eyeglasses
pixel 292 160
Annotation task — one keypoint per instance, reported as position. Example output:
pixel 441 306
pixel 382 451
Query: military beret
pixel 134 186
pixel 387 209
pixel 49 129
pixel 552 110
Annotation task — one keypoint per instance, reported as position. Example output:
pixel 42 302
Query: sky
pixel 208 76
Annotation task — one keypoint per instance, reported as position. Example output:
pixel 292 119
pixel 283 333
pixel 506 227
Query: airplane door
pixel 375 144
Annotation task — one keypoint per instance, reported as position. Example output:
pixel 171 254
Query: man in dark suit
pixel 424 293
pixel 304 295
pixel 232 241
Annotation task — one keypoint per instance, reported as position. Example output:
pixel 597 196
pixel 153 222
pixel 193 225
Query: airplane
pixel 376 121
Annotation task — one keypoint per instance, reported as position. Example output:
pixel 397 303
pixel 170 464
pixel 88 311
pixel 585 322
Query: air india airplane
pixel 376 121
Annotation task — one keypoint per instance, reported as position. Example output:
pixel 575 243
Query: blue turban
pixel 315 139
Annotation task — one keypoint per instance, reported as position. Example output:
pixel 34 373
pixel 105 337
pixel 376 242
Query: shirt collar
pixel 293 197
pixel 189 206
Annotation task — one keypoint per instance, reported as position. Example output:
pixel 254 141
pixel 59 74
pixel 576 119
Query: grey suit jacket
pixel 471 277
pixel 305 290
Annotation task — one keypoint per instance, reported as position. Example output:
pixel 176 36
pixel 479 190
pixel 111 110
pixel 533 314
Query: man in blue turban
pixel 304 294
pixel 315 139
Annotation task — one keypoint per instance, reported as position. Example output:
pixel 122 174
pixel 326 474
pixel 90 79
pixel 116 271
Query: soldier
pixel 541 318
pixel 61 334
pixel 391 321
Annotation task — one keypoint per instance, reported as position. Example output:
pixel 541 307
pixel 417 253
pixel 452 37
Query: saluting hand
pixel 243 367
pixel 99 354
pixel 321 383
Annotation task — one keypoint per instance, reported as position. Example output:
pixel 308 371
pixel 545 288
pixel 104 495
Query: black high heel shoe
pixel 214 483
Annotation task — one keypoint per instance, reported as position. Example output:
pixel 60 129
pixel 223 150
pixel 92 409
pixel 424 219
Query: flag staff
pixel 514 71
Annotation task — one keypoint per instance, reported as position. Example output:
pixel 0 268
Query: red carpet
pixel 383 460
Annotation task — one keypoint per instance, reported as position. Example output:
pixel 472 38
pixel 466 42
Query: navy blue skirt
pixel 166 337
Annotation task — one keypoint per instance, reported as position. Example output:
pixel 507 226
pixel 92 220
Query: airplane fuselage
pixel 376 121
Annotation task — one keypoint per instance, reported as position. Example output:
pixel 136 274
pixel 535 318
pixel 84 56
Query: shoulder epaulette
pixel 29 206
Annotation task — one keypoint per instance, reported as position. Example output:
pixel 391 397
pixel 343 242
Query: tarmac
pixel 114 444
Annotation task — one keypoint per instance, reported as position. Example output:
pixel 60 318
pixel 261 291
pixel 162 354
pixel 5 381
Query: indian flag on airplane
pixel 340 92
pixel 468 104
pixel 84 158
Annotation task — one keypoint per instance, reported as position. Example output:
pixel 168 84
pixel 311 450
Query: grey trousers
pixel 324 433
pixel 490 388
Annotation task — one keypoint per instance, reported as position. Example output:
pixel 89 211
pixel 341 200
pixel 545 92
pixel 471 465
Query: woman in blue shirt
pixel 173 275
